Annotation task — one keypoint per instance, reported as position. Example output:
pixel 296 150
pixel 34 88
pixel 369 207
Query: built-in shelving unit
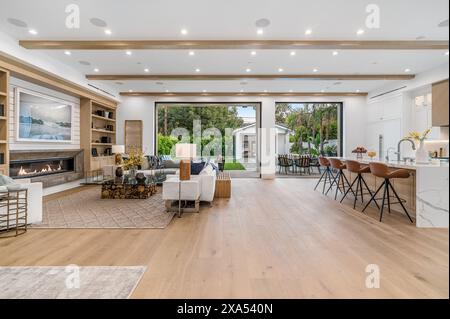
pixel 98 134
pixel 4 108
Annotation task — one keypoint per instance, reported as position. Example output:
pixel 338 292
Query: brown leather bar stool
pixel 356 168
pixel 339 179
pixel 381 170
pixel 327 176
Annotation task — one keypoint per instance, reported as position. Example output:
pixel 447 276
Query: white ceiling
pixel 235 19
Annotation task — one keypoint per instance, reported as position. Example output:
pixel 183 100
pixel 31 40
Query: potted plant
pixel 421 153
pixel 134 161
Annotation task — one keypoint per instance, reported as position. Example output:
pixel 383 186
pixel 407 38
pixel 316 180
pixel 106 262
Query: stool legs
pixel 359 180
pixel 340 179
pixel 386 198
pixel 326 177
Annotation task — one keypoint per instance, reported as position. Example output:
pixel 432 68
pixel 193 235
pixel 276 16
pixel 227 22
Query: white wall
pixel 16 145
pixel 143 108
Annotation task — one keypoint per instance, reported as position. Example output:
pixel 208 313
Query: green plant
pixel 165 144
pixel 135 159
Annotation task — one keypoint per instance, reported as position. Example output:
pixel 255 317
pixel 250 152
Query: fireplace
pixel 50 167
pixel 40 167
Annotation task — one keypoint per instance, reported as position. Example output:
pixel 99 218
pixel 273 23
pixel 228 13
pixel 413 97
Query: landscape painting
pixel 43 119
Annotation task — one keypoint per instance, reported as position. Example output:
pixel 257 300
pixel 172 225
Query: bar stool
pixel 327 174
pixel 356 168
pixel 381 170
pixel 339 178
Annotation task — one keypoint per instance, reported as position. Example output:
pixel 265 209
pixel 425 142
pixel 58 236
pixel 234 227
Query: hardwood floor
pixel 273 239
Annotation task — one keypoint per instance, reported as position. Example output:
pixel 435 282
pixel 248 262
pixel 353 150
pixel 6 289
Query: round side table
pixel 13 213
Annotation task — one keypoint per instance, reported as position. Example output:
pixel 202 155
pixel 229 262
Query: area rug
pixel 69 282
pixel 85 209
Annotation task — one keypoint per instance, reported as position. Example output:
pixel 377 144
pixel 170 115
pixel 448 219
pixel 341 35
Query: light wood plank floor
pixel 273 239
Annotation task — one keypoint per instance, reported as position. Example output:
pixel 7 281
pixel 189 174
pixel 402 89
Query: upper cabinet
pixel 440 104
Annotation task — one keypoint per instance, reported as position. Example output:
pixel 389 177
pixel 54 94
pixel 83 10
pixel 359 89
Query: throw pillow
pixel 145 163
pixel 196 168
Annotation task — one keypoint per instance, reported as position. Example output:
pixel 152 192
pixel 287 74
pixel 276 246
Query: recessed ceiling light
pixel 32 31
pixel 204 91
pixel 248 70
pixel 241 91
pixel 290 91
pixel 358 91
pixel 98 22
pixel 197 70
pixel 191 53
pixel 322 91
pixel 280 70
pixel 335 53
pixel 262 23
pixel 308 32
pixel 167 91
pixel 407 70
pixel 360 32
pixel 293 53
pixel 96 70
pixel 131 91
pixel 67 53
pixel 129 53
pixel 108 32
pixel 146 70
pixel 17 23
pixel 184 31
pixel 315 70
pixel 265 91
pixel 260 32
pixel 253 53
pixel 446 53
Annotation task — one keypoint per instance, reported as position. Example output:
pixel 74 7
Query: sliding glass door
pixel 223 132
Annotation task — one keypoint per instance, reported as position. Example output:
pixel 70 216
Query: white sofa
pixel 207 184
pixel 35 198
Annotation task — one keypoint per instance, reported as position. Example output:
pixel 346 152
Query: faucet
pixel 388 152
pixel 400 143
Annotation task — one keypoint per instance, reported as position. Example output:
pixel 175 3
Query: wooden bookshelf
pixel 4 108
pixel 98 131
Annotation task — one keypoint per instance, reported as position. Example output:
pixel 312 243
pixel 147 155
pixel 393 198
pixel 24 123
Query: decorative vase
pixel 422 154
pixel 133 172
pixel 140 178
pixel 119 171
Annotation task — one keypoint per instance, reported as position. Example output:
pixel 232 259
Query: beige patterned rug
pixel 85 209
pixel 71 282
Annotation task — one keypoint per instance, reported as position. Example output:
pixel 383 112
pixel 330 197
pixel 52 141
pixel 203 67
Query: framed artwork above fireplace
pixel 42 118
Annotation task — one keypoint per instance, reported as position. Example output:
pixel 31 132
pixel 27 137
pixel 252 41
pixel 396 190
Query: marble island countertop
pixel 401 164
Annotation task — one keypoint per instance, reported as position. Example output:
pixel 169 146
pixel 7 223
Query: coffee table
pixel 128 187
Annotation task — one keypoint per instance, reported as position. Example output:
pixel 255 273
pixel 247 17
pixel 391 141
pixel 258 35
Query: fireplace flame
pixel 47 169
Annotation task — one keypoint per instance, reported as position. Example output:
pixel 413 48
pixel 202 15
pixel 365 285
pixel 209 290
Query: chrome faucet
pixel 388 152
pixel 400 143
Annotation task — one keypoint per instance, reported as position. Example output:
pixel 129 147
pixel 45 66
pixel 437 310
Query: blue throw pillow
pixel 196 168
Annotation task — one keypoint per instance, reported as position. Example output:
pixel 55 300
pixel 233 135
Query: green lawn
pixel 234 167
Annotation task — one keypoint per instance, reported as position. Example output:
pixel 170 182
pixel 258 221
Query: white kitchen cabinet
pixel 422 116
pixel 385 108
pixel 391 132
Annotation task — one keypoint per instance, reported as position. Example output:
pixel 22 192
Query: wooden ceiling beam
pixel 241 77
pixel 233 45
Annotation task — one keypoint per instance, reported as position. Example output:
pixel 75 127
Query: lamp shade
pixel 118 149
pixel 186 151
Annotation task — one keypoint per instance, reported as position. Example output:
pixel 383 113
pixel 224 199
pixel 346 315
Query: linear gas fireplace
pixel 49 167
pixel 41 167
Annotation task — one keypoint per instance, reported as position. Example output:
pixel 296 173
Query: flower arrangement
pixel 359 151
pixel 135 159
pixel 419 137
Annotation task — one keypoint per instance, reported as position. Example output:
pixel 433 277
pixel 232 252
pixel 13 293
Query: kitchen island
pixel 426 191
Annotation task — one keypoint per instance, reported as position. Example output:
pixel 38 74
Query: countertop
pixel 396 164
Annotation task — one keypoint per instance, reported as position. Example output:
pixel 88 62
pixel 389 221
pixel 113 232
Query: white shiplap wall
pixel 14 144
